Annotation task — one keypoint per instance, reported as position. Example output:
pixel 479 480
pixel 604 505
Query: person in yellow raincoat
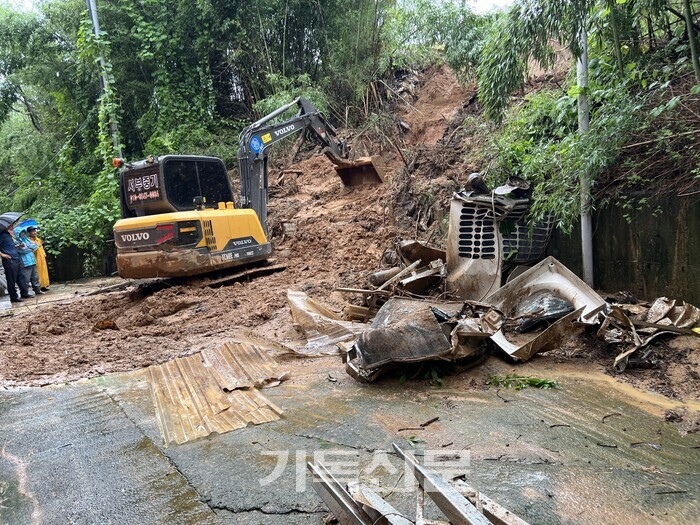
pixel 40 256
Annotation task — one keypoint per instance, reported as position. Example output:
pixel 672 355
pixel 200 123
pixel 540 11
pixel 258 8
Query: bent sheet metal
pixel 213 392
pixel 554 278
pixel 409 330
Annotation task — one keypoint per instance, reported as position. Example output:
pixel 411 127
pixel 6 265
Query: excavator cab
pixel 173 183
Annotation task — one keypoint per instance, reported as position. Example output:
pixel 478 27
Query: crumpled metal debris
pixel 407 331
pixel 552 280
pixel 669 312
pixel 322 327
pixel 553 277
pixel 535 311
pixel 664 317
pixel 542 307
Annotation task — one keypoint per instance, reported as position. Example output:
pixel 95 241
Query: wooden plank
pixel 665 328
pixel 495 512
pixel 363 291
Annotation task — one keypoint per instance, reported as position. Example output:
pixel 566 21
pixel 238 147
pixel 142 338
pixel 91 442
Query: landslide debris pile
pixel 327 235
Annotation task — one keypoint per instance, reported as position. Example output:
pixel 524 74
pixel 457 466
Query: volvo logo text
pixel 284 130
pixel 133 237
pixel 242 242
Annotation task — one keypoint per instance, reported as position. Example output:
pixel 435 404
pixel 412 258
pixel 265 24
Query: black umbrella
pixel 8 218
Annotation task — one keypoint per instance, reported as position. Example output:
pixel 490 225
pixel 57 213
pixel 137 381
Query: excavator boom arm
pixel 256 139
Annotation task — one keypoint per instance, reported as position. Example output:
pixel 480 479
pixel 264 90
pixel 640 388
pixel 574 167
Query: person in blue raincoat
pixel 26 249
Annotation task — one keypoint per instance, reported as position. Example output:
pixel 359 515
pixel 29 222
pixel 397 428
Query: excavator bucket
pixel 364 170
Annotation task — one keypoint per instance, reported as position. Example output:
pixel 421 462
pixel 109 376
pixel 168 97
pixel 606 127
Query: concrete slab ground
pixel 588 452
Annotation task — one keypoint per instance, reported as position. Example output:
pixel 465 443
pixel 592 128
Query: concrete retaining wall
pixel 651 256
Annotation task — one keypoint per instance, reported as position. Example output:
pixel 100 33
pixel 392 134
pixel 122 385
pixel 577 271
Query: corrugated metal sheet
pixel 201 394
pixel 242 365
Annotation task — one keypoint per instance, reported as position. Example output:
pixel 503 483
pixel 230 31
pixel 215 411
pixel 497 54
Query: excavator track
pixel 245 273
pixel 150 286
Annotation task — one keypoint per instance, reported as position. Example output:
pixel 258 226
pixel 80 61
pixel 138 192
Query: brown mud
pixel 329 236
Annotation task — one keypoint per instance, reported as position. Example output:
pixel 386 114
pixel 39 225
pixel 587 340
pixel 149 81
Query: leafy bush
pixel 286 90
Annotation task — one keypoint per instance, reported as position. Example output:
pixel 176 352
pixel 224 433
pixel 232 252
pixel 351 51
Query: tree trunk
pixel 284 37
pixel 104 79
pixel 616 36
pixel 691 37
pixel 32 116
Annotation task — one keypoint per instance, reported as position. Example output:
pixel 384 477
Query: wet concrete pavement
pixel 91 452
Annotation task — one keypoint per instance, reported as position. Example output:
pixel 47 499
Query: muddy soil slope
pixel 327 235
pixel 341 234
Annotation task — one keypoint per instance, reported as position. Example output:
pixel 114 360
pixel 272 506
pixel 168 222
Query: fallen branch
pixel 403 99
pixel 499 396
pixel 660 138
pixel 669 328
pixel 610 415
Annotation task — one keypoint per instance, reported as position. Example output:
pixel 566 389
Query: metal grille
pixel 525 246
pixel 477 232
pixel 209 235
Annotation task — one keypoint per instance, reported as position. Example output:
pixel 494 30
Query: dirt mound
pixel 327 235
pixel 438 103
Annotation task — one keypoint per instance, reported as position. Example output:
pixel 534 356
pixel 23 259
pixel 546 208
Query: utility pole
pixel 583 122
pixel 104 80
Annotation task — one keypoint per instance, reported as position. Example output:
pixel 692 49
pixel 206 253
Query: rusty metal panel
pixel 243 365
pixel 198 395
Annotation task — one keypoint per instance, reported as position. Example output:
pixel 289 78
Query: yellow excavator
pixel 178 213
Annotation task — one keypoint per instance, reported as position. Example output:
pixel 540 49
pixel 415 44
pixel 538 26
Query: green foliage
pixel 524 33
pixel 413 441
pixel 519 382
pixel 286 90
pixel 421 32
pixel 433 374
pixel 186 76
pixel 540 143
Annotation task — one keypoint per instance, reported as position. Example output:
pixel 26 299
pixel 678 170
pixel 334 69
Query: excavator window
pixel 186 179
pixel 181 183
pixel 214 183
